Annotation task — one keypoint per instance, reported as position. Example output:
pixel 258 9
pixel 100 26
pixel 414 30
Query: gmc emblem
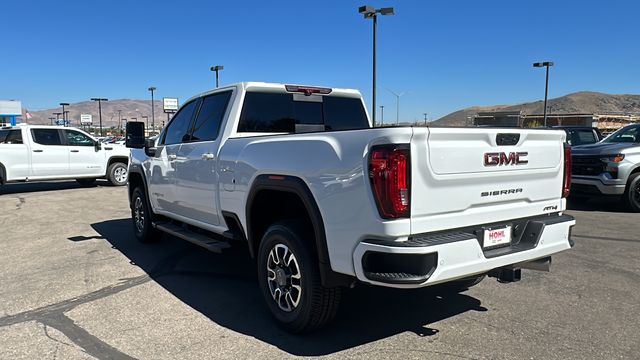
pixel 501 158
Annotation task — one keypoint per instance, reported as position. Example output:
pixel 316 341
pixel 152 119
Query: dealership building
pixel 10 111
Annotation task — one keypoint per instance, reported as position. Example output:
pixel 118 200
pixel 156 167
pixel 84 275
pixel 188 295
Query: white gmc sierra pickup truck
pixel 323 200
pixel 34 152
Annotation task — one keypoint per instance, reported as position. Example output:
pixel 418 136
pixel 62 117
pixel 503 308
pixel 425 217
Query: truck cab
pixel 34 153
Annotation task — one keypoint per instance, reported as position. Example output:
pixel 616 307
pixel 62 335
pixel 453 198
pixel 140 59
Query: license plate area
pixel 496 237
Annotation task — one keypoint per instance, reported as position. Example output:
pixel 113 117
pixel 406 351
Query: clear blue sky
pixel 445 55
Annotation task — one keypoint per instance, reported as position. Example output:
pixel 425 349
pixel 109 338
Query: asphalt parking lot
pixel 74 284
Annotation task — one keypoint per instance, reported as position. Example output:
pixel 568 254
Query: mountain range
pixel 129 110
pixel 584 102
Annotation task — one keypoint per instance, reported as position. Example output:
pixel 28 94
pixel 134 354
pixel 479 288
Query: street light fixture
pixel 397 105
pixel 57 114
pixel 153 116
pixel 546 64
pixel 100 100
pixel 217 68
pixel 64 119
pixel 369 12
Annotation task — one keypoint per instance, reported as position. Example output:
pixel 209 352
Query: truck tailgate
pixel 469 176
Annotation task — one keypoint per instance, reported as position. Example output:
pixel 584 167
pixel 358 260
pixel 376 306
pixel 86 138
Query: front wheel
pixel 117 174
pixel 289 279
pixel 632 192
pixel 143 230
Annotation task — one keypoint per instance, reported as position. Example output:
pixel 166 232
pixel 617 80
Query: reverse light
pixel 390 176
pixel 566 183
pixel 613 158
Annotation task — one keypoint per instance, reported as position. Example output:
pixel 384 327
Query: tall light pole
pixel 64 116
pixel 397 105
pixel 57 114
pixel 381 115
pixel 546 64
pixel 369 12
pixel 51 120
pixel 100 100
pixel 153 116
pixel 216 69
pixel 120 121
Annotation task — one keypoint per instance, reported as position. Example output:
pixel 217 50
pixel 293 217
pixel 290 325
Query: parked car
pixel 580 135
pixel 323 200
pixel 30 153
pixel 610 167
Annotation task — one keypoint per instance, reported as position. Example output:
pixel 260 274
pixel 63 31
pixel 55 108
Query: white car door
pixel 84 158
pixel 14 154
pixel 162 166
pixel 196 175
pixel 49 156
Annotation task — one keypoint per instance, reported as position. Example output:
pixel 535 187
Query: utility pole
pixel 381 115
pixel 153 116
pixel 425 118
pixel 100 100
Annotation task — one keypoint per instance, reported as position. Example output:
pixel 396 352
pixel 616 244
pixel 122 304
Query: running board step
pixel 184 233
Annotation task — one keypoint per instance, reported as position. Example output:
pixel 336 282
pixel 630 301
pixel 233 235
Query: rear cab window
pixel 46 136
pixel 273 112
pixel 11 137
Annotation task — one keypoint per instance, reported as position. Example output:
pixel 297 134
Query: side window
pixel 207 124
pixel 14 137
pixel 76 138
pixel 46 136
pixel 179 126
pixel 3 136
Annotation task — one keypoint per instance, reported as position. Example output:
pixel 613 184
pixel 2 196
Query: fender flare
pixel 298 187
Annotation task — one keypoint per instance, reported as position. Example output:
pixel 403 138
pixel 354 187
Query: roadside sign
pixel 86 119
pixel 170 104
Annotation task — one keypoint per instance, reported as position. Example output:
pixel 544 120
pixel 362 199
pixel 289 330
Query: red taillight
pixel 389 172
pixel 566 184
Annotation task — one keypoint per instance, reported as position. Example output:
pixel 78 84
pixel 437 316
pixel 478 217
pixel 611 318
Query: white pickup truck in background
pixel 32 152
pixel 324 201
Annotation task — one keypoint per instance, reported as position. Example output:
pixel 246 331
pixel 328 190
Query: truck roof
pixel 276 87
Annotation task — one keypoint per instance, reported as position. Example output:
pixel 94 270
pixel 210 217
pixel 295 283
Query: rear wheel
pixel 289 278
pixel 117 174
pixel 632 192
pixel 141 217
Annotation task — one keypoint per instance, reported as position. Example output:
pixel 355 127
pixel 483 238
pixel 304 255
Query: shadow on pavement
pixel 598 203
pixel 30 187
pixel 224 288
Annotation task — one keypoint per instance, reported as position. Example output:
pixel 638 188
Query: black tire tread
pixel 324 302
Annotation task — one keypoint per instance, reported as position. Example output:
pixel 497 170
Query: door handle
pixel 75 150
pixel 207 156
pixel 172 157
pixel 37 150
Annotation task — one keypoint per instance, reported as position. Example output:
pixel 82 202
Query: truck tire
pixel 632 192
pixel 289 279
pixel 117 174
pixel 143 230
pixel 86 182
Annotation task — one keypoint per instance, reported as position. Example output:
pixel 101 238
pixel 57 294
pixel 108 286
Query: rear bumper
pixel 429 259
pixel 597 185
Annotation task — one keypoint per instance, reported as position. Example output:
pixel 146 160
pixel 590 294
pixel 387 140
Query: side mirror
pixel 150 147
pixel 135 135
pixel 97 145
